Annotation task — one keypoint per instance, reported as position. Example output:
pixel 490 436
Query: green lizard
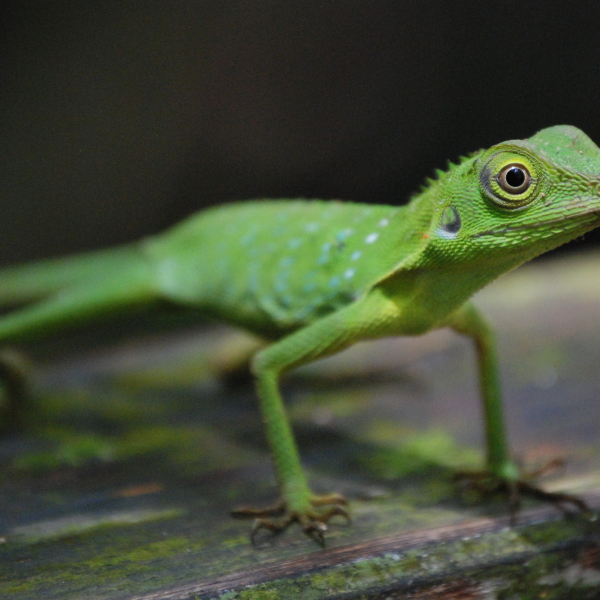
pixel 314 277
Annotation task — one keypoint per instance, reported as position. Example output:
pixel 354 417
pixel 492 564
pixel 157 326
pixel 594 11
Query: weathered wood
pixel 388 565
pixel 120 485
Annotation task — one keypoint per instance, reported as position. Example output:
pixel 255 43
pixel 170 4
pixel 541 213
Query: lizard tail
pixel 26 283
pixel 63 291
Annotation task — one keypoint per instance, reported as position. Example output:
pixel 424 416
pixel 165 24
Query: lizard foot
pixel 488 483
pixel 312 519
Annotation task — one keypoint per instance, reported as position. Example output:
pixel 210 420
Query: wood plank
pixel 120 485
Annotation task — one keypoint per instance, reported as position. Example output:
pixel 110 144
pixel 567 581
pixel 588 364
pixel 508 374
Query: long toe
pixel 248 512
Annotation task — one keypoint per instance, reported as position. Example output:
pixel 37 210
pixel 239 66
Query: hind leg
pixel 13 377
pixel 86 301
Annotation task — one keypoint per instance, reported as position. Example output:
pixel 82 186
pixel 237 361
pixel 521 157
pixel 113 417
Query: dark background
pixel 118 118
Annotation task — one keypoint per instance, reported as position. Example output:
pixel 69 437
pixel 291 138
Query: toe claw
pixel 558 499
pixel 335 511
pixel 315 531
pixel 274 527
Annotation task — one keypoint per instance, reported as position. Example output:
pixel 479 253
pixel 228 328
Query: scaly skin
pixel 314 277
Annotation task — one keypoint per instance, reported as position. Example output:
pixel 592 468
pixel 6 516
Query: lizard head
pixel 519 198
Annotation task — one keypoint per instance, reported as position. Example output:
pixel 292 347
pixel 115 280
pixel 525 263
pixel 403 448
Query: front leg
pixel 298 503
pixel 369 317
pixel 502 473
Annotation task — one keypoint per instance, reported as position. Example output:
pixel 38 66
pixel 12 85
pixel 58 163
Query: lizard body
pixel 314 277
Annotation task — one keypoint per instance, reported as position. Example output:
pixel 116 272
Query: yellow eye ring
pixel 511 179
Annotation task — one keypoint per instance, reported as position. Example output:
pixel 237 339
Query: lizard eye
pixel 511 178
pixel 514 179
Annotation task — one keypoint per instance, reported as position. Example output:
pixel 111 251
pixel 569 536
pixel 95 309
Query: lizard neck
pixel 427 295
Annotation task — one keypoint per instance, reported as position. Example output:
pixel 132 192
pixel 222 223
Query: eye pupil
pixel 515 177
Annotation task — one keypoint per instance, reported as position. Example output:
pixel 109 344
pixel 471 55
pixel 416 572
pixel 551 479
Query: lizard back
pixel 274 266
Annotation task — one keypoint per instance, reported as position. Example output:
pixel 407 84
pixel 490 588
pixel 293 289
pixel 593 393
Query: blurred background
pixel 119 118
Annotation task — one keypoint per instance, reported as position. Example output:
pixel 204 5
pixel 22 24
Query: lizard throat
pixel 585 220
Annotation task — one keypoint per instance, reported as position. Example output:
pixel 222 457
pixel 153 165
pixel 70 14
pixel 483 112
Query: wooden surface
pixel 120 484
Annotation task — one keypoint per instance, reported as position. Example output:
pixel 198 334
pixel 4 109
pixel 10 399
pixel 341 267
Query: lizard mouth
pixel 588 218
